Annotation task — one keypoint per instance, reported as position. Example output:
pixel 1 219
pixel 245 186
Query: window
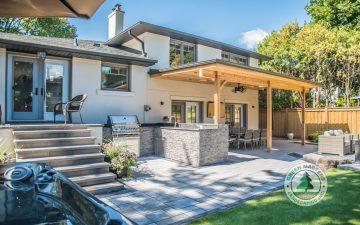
pixel 115 78
pixel 234 58
pixel 186 112
pixel 181 53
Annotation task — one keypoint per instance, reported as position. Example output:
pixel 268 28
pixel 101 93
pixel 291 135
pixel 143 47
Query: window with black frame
pixel 114 77
pixel 234 58
pixel 181 53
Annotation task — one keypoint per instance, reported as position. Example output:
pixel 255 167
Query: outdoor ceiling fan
pixel 239 88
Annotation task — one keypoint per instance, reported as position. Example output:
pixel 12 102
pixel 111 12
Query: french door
pixel 36 86
pixel 55 85
pixel 25 89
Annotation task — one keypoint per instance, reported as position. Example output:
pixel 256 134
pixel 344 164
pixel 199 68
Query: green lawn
pixel 341 205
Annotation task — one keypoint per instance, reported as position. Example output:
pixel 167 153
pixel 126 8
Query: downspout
pixel 141 42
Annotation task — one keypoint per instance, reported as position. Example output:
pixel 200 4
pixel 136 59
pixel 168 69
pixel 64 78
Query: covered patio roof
pixel 221 73
pixel 232 74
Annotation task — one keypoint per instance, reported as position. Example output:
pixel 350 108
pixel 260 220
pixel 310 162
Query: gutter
pixel 139 40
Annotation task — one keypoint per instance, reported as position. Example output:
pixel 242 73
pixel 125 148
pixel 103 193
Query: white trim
pixel 187 98
pixel 115 93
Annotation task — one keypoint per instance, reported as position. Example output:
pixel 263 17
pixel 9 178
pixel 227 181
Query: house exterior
pixel 38 72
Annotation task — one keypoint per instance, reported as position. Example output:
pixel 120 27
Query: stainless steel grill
pixel 124 125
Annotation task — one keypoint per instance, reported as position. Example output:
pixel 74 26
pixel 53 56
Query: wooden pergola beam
pixel 269 117
pixel 303 122
pixel 217 85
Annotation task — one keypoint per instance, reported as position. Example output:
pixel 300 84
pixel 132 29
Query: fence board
pixel 319 119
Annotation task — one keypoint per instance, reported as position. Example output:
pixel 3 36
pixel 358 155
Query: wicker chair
pixel 256 138
pixel 72 106
pixel 246 139
pixel 263 137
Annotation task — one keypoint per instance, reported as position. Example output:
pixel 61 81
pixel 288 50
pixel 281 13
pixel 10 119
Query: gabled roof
pixel 65 47
pixel 143 27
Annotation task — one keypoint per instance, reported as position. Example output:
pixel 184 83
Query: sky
pixel 238 22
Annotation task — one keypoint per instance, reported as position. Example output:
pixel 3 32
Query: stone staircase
pixel 71 150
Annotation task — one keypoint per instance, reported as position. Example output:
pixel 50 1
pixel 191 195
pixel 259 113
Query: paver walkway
pixel 165 192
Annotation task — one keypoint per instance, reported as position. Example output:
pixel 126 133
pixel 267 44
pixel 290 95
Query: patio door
pixel 25 95
pixel 56 82
pixel 186 112
pixel 36 86
pixel 192 112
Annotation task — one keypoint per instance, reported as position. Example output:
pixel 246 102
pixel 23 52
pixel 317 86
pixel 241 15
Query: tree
pixel 48 27
pixel 335 13
pixel 305 182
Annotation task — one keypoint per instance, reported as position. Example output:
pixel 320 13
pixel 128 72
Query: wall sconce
pixel 147 108
pixel 161 103
pixel 253 106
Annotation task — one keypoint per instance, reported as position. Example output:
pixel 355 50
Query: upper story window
pixel 181 53
pixel 114 77
pixel 234 58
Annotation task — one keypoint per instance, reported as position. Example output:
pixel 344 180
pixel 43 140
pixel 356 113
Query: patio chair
pixel 256 138
pixel 246 139
pixel 72 106
pixel 263 137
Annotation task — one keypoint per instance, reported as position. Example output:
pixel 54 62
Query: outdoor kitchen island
pixel 192 144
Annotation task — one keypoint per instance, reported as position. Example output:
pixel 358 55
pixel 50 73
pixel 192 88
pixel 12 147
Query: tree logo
pixel 305 184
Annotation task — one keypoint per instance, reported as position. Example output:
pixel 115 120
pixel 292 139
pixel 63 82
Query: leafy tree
pixel 335 13
pixel 305 182
pixel 48 27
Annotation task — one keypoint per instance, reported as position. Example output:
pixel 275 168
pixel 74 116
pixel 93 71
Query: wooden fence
pixel 320 119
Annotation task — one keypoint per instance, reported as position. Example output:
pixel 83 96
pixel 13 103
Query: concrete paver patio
pixel 166 192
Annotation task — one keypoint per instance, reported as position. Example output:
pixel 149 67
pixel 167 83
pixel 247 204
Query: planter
pixel 290 136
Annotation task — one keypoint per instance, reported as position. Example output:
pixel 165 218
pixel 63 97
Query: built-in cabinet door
pixel 25 93
pixel 55 85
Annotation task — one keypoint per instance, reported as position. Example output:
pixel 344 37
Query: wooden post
pixel 303 130
pixel 217 100
pixel 269 117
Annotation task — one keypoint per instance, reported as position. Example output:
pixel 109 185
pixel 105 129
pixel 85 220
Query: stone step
pixel 56 151
pixel 85 169
pixel 36 134
pixel 52 142
pixel 104 188
pixel 67 160
pixel 49 127
pixel 94 179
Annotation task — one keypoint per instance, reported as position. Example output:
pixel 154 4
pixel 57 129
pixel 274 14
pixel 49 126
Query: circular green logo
pixel 305 184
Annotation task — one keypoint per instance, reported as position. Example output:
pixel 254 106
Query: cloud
pixel 252 38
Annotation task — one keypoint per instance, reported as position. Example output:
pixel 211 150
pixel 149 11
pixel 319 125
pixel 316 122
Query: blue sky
pixel 237 22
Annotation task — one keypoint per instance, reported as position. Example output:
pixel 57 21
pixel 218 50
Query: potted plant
pixel 121 160
pixel 290 135
pixel 165 119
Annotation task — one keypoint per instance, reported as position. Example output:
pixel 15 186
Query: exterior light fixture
pixel 240 89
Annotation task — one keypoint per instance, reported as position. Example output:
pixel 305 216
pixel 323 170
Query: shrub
pixel 121 160
pixel 315 135
pixel 5 158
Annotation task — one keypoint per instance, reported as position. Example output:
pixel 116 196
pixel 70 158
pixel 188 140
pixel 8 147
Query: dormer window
pixel 234 58
pixel 181 53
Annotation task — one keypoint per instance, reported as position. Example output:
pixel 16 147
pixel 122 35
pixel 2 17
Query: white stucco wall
pixel 167 90
pixel 253 62
pixel 2 82
pixel 207 53
pixel 86 78
pixel 156 46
